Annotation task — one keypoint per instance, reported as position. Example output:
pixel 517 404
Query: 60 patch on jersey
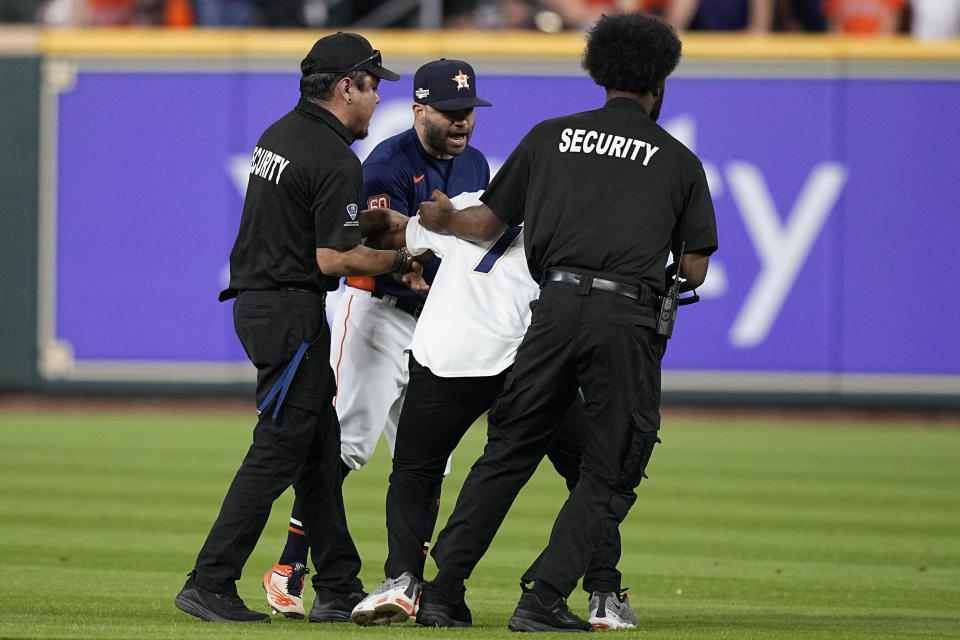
pixel 379 202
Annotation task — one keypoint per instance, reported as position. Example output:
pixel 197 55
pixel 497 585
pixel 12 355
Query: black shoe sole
pixel 518 623
pixel 198 610
pixel 427 618
pixel 331 616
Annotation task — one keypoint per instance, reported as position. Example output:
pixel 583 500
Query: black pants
pixel 301 446
pixel 602 343
pixel 436 413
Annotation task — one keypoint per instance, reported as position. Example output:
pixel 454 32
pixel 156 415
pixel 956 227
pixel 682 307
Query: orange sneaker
pixel 284 587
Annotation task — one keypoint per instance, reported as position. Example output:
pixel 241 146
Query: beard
pixel 655 112
pixel 360 127
pixel 436 138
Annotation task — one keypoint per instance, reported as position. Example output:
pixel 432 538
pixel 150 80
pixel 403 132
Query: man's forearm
pixel 383 228
pixel 387 240
pixel 358 261
pixel 694 270
pixel 477 223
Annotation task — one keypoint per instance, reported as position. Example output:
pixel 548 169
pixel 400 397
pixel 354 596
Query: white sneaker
pixel 394 601
pixel 610 610
pixel 284 587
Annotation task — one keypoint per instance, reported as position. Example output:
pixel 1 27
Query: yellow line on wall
pixel 261 43
pixel 271 43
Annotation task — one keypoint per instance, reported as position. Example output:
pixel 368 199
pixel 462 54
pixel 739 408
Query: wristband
pixel 402 262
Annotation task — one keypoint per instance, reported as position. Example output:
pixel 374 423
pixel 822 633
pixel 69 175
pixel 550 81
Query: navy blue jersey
pixel 400 174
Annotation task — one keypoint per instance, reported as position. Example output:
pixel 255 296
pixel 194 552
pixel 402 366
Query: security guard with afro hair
pixel 604 195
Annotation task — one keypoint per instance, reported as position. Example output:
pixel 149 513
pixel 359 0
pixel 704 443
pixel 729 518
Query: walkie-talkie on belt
pixel 671 300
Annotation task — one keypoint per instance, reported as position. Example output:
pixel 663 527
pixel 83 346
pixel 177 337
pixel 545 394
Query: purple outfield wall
pixel 837 204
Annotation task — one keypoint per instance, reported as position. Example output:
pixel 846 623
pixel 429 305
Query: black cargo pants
pixel 300 446
pixel 601 342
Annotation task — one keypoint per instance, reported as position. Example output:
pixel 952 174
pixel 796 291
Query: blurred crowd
pixel 926 19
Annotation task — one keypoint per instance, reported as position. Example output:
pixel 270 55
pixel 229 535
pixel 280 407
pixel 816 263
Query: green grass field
pixel 748 528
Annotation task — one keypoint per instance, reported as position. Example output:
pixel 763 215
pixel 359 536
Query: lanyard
pixel 283 384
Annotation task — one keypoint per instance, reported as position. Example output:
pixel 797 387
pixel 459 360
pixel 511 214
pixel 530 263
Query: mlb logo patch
pixel 378 202
pixel 352 210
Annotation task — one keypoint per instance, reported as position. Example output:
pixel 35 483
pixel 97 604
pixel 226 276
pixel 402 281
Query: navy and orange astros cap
pixel 343 53
pixel 447 85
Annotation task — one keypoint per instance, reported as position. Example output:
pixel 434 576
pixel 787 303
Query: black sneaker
pixel 532 614
pixel 334 607
pixel 443 607
pixel 215 607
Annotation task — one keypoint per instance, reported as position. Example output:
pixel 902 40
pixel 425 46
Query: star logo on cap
pixel 461 79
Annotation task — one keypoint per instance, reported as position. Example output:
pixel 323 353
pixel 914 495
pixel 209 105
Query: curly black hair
pixel 631 52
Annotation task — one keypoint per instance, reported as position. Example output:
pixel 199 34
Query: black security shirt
pixel 302 195
pixel 607 192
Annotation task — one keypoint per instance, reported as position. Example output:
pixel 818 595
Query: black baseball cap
pixel 342 53
pixel 447 85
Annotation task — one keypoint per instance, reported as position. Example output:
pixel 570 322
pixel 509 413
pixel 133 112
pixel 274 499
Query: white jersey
pixel 479 304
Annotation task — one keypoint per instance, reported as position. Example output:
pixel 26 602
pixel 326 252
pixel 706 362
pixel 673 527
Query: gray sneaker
pixel 611 610
pixel 394 601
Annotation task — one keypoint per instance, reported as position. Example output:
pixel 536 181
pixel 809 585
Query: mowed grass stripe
pixel 746 529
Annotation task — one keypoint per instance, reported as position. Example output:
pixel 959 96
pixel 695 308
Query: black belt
pixel 299 290
pixel 413 307
pixel 228 294
pixel 586 282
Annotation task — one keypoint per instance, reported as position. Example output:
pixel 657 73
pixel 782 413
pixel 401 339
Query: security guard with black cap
pixel 605 195
pixel 300 230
